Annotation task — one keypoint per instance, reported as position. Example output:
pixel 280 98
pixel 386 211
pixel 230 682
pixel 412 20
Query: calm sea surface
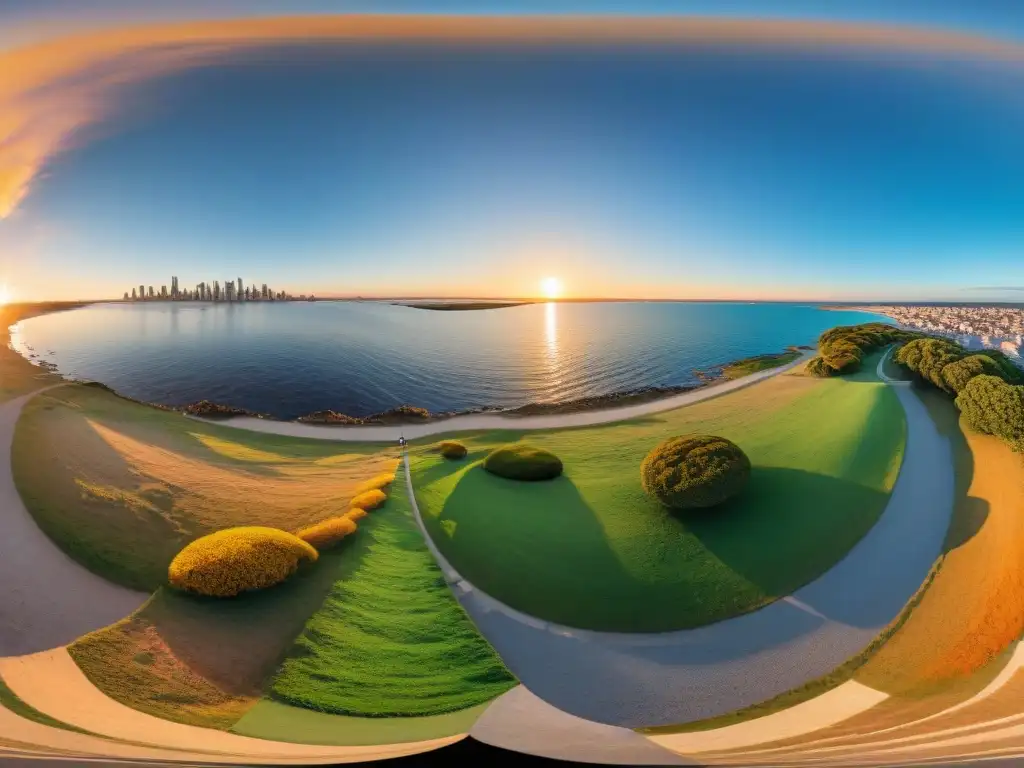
pixel 364 357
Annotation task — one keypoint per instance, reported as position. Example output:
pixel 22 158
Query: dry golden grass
pixel 328 532
pixel 974 608
pixel 122 487
pixel 237 560
pixel 294 494
pixel 132 663
pixel 356 513
pixel 369 500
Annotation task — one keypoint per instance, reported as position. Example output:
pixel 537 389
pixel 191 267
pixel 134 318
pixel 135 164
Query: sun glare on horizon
pixel 551 287
pixel 5 294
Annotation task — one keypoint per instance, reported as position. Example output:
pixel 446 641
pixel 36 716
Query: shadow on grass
pixel 237 643
pixel 787 527
pixel 504 535
pixel 969 513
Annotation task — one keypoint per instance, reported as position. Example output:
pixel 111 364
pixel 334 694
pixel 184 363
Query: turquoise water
pixel 360 358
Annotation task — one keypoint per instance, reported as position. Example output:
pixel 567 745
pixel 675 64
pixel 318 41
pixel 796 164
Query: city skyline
pixel 233 290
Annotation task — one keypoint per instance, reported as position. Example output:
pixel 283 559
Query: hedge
pixel 452 449
pixel 842 349
pixel 520 461
pixel 356 513
pixel 369 499
pixel 328 532
pixel 695 471
pixel 237 560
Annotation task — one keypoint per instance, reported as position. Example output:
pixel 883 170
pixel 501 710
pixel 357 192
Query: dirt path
pixel 477 421
pixel 52 683
pixel 49 599
pixel 637 680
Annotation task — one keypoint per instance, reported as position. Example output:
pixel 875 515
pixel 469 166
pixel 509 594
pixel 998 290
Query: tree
pixel 957 374
pixel 994 407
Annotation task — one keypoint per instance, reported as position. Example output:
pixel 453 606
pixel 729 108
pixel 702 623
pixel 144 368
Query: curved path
pixel 49 599
pixel 51 682
pixel 637 680
pixel 475 421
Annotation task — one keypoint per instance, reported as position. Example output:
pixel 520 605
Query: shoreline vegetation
pixel 409 414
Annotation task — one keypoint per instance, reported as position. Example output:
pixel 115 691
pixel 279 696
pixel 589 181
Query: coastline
pixel 401 415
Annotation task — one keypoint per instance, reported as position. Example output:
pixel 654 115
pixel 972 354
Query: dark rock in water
pixel 613 400
pixel 329 417
pixel 403 414
pixel 210 410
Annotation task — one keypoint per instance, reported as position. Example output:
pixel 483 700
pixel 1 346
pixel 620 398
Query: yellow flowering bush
pixel 356 513
pixel 328 532
pixel 378 483
pixel 236 560
pixel 369 500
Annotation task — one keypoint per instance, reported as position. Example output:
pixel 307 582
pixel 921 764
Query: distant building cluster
pixel 232 290
pixel 973 327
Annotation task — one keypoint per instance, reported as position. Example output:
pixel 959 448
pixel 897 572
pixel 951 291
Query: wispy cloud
pixel 995 288
pixel 51 90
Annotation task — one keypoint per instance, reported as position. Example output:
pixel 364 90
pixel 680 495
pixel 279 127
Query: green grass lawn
pixel 122 487
pixel 281 722
pixel 591 550
pixel 758 363
pixel 390 639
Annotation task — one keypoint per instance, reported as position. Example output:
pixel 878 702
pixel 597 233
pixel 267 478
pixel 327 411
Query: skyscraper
pixel 174 288
pixel 241 291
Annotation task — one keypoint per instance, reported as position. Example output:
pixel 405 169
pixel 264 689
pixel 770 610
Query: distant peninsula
pixel 453 306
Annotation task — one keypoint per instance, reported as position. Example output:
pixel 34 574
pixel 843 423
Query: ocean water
pixel 359 358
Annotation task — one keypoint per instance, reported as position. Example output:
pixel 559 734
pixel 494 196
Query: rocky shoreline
pixel 410 414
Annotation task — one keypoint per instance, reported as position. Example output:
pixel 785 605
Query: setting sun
pixel 5 294
pixel 551 287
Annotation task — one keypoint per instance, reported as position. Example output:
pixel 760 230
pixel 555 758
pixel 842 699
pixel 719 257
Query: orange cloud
pixel 51 90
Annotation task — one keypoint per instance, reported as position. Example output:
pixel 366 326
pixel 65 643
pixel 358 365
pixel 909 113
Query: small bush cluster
pixel 236 560
pixel 452 449
pixel 381 482
pixel 520 461
pixel 842 349
pixel 695 471
pixel 369 500
pixel 356 513
pixel 329 532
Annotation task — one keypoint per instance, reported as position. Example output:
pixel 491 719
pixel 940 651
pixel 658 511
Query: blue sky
pixel 656 171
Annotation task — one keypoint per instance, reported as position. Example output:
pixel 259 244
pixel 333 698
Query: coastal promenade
pixel 480 421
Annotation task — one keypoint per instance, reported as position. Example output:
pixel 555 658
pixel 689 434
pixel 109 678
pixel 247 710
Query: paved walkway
pixel 637 680
pixel 48 599
pixel 521 722
pixel 841 703
pixel 52 683
pixel 496 421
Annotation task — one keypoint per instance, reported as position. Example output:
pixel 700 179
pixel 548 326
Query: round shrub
pixel 236 560
pixel 523 462
pixel 356 513
pixel 328 532
pixel 452 449
pixel 695 471
pixel 369 500
pixel 958 373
